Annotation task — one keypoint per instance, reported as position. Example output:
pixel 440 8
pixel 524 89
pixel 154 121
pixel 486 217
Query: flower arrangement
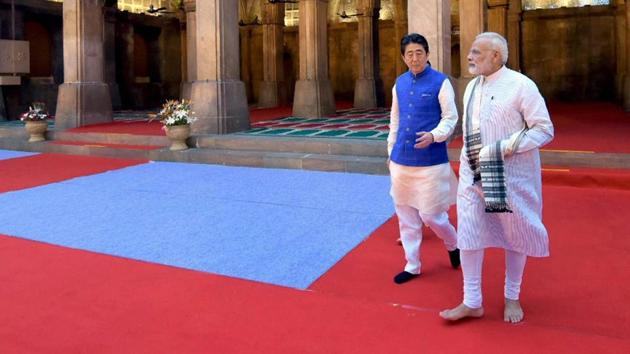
pixel 176 112
pixel 36 113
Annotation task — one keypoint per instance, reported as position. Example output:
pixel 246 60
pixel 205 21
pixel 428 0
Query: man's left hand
pixel 424 139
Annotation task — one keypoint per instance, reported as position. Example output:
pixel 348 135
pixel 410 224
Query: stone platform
pixel 322 154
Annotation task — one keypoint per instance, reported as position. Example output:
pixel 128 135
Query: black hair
pixel 413 38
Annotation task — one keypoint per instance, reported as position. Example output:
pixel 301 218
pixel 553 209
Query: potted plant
pixel 177 117
pixel 35 121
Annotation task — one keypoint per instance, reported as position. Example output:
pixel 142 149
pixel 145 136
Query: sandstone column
pixel 245 36
pixel 620 41
pixel 401 27
pixel 514 34
pixel 125 54
pixel 498 16
pixel 191 45
pixel 471 23
pixel 84 97
pixel 218 95
pixel 313 91
pixel 110 53
pixel 432 19
pixel 272 89
pixel 626 88
pixel 365 95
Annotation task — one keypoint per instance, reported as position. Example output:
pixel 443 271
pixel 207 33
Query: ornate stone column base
pixel 114 93
pixel 313 98
pixel 365 93
pixel 626 94
pixel 3 110
pixel 220 106
pixel 83 103
pixel 186 90
pixel 271 94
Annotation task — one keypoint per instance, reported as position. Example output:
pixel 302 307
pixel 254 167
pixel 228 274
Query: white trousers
pixel 410 222
pixel 472 264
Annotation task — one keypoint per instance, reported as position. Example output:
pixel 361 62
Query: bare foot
pixel 460 312
pixel 513 311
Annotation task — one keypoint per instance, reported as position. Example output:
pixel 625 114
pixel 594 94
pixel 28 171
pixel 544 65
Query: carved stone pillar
pixel 365 88
pixel 626 88
pixel 313 91
pixel 84 97
pixel 110 53
pixel 273 88
pixel 245 35
pixel 498 16
pixel 218 94
pixel 514 34
pixel 620 47
pixel 432 19
pixel 191 52
pixel 401 27
pixel 471 23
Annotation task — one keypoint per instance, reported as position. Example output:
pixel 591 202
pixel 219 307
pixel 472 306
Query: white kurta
pixel 430 189
pixel 505 103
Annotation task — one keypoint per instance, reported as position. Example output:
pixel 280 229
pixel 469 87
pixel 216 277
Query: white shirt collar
pixel 494 76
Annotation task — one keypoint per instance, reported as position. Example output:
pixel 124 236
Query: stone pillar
pixel 191 45
pixel 110 53
pixel 313 92
pixel 620 41
pixel 273 88
pixel 218 95
pixel 471 23
pixel 245 35
pixel 83 98
pixel 498 16
pixel 401 27
pixel 514 34
pixel 626 88
pixel 432 19
pixel 125 54
pixel 365 95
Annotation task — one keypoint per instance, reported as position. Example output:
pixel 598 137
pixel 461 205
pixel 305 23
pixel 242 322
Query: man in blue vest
pixel 424 186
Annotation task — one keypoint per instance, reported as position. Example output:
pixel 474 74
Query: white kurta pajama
pixel 505 103
pixel 423 194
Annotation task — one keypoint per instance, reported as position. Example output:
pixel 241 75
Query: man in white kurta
pixel 423 183
pixel 506 107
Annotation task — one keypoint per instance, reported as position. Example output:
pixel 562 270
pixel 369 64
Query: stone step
pixel 251 158
pixel 325 154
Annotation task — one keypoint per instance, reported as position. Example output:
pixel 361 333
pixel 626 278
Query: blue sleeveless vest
pixel 419 111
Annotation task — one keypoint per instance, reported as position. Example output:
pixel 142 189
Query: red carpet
pixel 123 127
pixel 155 127
pixel 581 288
pixel 35 170
pixel 592 126
pixel 62 300
pixel 116 146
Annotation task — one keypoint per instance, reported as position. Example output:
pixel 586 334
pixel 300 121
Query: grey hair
pixel 497 43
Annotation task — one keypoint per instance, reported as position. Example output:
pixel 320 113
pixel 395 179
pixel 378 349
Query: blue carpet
pixel 10 154
pixel 284 227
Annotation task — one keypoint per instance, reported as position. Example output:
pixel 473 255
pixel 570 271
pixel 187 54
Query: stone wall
pixel 570 52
